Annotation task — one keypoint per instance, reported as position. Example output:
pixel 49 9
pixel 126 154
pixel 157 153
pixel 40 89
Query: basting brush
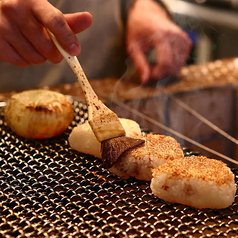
pixel 105 123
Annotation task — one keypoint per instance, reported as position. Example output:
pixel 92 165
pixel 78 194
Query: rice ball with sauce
pixel 195 181
pixel 82 138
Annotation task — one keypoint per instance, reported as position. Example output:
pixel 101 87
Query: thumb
pixel 79 21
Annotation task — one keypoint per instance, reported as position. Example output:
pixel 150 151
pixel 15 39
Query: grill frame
pixel 49 190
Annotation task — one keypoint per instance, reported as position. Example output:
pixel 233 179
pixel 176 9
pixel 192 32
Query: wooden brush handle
pixel 91 97
pixel 104 123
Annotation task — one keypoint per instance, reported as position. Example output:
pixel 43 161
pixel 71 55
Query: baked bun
pixel 38 114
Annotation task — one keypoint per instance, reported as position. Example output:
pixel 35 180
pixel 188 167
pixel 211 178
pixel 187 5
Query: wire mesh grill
pixel 49 190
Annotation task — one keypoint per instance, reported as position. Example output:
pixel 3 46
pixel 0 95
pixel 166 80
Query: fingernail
pixel 74 50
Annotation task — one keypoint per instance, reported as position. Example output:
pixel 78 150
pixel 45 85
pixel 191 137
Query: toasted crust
pixel 161 146
pixel 195 181
pixel 138 162
pixel 199 167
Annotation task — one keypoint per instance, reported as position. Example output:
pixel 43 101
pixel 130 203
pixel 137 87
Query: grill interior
pixel 49 190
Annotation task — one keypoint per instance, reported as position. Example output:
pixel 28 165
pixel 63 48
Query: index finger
pixel 54 20
pixel 140 62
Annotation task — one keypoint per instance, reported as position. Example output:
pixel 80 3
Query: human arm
pixel 150 27
pixel 23 31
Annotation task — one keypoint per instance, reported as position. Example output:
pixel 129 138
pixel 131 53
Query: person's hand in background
pixel 23 31
pixel 149 27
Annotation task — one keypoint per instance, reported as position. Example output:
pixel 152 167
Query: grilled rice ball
pixel 195 181
pixel 82 138
pixel 38 114
pixel 139 161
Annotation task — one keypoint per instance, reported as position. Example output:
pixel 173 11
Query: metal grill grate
pixel 49 190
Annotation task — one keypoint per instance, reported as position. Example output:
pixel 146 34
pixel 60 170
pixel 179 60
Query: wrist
pixel 163 8
pixel 127 5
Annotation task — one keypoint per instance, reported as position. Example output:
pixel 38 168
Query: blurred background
pixel 211 24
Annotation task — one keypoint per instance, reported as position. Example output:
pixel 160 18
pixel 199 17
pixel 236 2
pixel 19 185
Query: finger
pixel 12 37
pixel 164 61
pixel 183 47
pixel 42 42
pixel 40 39
pixel 79 22
pixel 23 47
pixel 10 55
pixel 140 62
pixel 54 20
